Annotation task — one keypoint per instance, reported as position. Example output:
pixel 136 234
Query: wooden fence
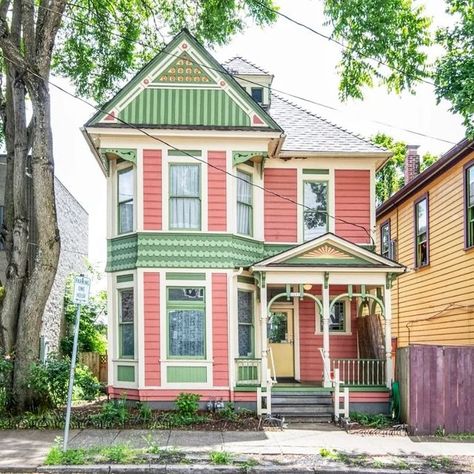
pixel 97 364
pixel 436 388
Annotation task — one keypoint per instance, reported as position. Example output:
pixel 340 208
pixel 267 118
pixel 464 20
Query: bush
pixel 50 380
pixel 6 368
pixel 114 413
pixel 187 404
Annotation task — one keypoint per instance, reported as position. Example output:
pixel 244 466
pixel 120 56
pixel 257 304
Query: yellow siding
pixel 436 302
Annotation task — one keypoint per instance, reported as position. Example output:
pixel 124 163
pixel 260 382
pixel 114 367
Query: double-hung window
pixel 337 318
pixel 125 189
pixel 186 323
pixel 315 212
pixel 385 241
pixel 185 196
pixel 421 232
pixel 469 185
pixel 246 328
pixel 126 322
pixel 244 204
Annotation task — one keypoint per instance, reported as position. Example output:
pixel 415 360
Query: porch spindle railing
pixel 360 371
pixel 248 371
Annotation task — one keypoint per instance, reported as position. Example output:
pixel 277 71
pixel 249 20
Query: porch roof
pixel 328 252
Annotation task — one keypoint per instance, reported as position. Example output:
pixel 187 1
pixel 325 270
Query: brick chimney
pixel 412 163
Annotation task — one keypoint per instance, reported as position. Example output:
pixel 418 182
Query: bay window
pixel 185 196
pixel 186 322
pixel 315 217
pixel 125 193
pixel 126 324
pixel 244 204
pixel 421 232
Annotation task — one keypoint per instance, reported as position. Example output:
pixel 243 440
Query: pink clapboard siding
pixel 280 214
pixel 220 330
pixel 353 204
pixel 217 188
pixel 340 346
pixel 152 200
pixel 151 287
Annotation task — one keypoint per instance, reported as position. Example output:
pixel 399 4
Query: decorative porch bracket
pixel 296 294
pixel 127 154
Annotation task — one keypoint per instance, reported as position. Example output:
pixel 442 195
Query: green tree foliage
pixel 102 42
pixel 454 76
pixel 92 332
pixel 390 178
pixel 387 43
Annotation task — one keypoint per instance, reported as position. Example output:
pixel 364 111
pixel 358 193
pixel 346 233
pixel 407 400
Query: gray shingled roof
pixel 240 65
pixel 306 131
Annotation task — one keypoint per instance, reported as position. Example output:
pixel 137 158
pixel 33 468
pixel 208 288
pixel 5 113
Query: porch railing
pixel 360 371
pixel 248 371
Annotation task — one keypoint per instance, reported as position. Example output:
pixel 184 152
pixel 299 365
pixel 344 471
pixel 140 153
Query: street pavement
pixel 24 450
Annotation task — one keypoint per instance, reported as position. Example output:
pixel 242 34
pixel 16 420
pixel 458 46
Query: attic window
pixel 257 94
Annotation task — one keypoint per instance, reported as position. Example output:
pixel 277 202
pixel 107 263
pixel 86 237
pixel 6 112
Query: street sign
pixel 82 287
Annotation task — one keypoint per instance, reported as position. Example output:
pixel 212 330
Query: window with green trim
pixel 185 196
pixel 244 204
pixel 421 233
pixel 125 191
pixel 315 212
pixel 186 322
pixel 246 323
pixel 469 206
pixel 126 323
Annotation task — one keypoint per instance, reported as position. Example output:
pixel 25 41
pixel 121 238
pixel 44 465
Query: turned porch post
pixel 326 303
pixel 388 335
pixel 263 334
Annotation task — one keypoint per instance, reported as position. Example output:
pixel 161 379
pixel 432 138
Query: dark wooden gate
pixel 436 387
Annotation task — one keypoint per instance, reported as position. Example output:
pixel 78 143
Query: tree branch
pixel 28 20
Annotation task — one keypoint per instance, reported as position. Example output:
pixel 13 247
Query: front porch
pixel 314 305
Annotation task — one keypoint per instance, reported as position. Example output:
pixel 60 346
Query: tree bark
pixel 39 285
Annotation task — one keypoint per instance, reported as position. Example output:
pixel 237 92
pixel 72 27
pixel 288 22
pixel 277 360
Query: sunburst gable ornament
pixel 326 251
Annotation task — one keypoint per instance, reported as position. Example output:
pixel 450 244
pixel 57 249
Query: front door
pixel 281 359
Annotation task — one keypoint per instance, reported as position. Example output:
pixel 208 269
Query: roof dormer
pixel 256 81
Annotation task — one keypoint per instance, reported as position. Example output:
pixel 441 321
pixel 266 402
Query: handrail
pixel 361 371
pixel 273 364
pixel 247 371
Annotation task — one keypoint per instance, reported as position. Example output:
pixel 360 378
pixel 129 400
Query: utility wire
pixel 186 153
pixel 248 81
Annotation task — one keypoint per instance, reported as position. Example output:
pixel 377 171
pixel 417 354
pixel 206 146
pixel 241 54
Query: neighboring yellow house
pixel 428 226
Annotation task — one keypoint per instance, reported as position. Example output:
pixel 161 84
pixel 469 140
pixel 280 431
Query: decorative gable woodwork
pixel 184 70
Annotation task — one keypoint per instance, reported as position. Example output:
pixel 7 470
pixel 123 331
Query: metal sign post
pixel 81 296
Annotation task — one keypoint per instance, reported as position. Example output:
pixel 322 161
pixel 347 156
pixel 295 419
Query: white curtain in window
pixel 244 204
pixel 185 200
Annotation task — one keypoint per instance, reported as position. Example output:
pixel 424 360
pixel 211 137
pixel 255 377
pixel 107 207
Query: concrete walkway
pixel 27 448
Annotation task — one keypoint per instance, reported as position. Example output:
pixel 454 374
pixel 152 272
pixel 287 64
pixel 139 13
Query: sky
pixel 303 64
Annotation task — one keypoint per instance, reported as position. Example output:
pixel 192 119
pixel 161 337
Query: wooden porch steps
pixel 303 406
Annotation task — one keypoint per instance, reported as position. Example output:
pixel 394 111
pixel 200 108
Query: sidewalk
pixel 25 449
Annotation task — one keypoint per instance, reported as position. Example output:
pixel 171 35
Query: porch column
pixel 388 336
pixel 327 364
pixel 263 335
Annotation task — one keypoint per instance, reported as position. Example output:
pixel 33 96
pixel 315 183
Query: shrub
pixel 113 413
pixel 86 383
pixel 144 412
pixel 187 404
pixel 228 412
pixel 6 367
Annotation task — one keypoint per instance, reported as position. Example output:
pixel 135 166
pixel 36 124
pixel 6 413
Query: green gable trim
pixel 182 374
pixel 186 276
pixel 127 154
pixel 124 278
pixel 184 152
pixel 311 171
pixel 203 107
pixel 177 250
pixel 243 156
pixel 246 279
pixel 125 373
pixel 135 85
pixel 183 70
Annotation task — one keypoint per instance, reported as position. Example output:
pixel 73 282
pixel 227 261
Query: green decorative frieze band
pixel 311 171
pixel 185 276
pixel 246 279
pixel 176 250
pixel 243 156
pixel 124 278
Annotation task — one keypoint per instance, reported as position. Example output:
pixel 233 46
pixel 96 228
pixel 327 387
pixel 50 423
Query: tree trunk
pixel 39 285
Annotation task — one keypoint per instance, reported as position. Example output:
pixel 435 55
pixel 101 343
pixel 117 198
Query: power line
pixel 184 152
pixel 339 43
pixel 269 88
